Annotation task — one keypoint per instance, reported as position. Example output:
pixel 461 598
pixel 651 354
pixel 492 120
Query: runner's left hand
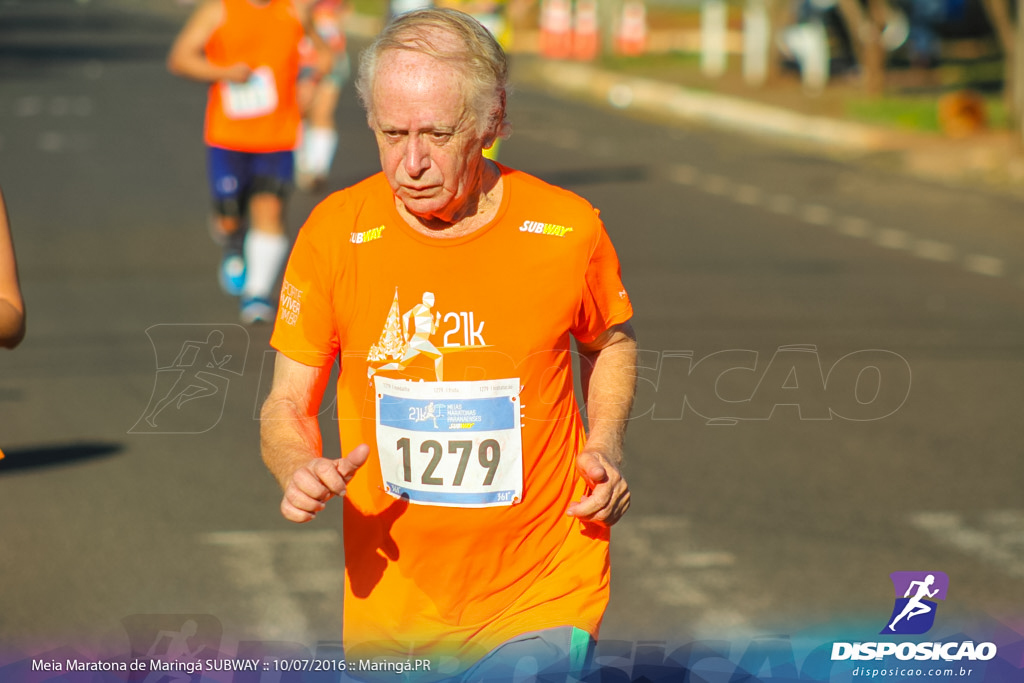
pixel 608 498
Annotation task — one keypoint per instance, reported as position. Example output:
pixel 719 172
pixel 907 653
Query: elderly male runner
pixel 476 508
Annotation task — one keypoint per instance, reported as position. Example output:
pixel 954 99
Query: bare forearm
pixel 197 68
pixel 609 383
pixel 608 374
pixel 288 439
pixel 12 325
pixel 187 57
pixel 12 305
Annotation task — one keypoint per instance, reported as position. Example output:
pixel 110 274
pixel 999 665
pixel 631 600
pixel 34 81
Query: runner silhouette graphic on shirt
pixel 915 606
pixel 425 323
pixel 194 362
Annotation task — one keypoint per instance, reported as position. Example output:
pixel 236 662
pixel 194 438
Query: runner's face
pixel 429 148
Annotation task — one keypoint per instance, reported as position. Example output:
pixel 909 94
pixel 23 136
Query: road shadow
pixel 56 455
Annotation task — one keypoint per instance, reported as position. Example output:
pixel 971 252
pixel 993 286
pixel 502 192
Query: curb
pixel 720 111
pixel 995 164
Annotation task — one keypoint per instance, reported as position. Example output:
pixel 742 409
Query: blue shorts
pixel 235 176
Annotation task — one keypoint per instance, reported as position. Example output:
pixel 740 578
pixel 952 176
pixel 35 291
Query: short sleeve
pixel 305 329
pixel 604 301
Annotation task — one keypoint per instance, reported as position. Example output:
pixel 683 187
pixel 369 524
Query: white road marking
pixel 782 204
pixel 657 555
pixel 30 105
pixel 272 568
pixel 890 238
pixel 683 174
pixel 934 251
pixel 716 184
pixel 748 194
pixel 58 106
pixel 816 214
pixel 995 537
pixel 851 226
pixel 985 265
pixel 52 141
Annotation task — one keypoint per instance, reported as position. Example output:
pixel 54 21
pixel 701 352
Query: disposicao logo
pixel 916 593
pixel 913 614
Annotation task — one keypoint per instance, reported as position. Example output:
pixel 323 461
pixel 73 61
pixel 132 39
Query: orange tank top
pixel 262 114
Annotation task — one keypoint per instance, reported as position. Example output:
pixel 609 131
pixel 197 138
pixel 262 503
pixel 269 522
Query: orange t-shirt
pixel 261 115
pixel 456 537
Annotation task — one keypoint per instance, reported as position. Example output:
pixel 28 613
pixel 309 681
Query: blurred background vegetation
pixel 935 66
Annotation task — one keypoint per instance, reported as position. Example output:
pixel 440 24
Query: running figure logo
pixel 194 368
pixel 914 612
pixel 172 646
pixel 426 413
pixel 406 336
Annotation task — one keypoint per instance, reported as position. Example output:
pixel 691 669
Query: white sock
pixel 265 254
pixel 319 145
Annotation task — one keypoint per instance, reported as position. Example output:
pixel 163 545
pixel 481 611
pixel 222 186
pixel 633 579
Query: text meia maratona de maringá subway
pixel 186 666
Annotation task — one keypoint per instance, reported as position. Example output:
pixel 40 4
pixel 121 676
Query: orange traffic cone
pixel 556 29
pixel 633 29
pixel 585 39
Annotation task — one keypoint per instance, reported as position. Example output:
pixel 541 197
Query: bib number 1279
pixel 455 444
pixel 488 457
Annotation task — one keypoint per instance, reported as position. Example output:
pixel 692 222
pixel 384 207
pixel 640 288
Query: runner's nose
pixel 417 156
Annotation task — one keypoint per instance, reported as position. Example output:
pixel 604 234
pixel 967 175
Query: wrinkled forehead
pixel 419 65
pixel 427 48
pixel 414 64
pixel 411 79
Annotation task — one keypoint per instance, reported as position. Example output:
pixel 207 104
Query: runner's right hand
pixel 319 480
pixel 237 73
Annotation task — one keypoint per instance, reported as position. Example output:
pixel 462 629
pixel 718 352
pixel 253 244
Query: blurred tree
pixel 864 25
pixel 1000 16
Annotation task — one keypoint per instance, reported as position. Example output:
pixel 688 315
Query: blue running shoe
pixel 256 310
pixel 232 274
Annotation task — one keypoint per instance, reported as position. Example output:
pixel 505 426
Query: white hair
pixel 471 49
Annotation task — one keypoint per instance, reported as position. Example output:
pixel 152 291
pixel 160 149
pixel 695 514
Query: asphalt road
pixel 833 369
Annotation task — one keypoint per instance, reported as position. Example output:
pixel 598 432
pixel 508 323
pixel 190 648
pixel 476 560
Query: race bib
pixel 256 97
pixel 454 444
